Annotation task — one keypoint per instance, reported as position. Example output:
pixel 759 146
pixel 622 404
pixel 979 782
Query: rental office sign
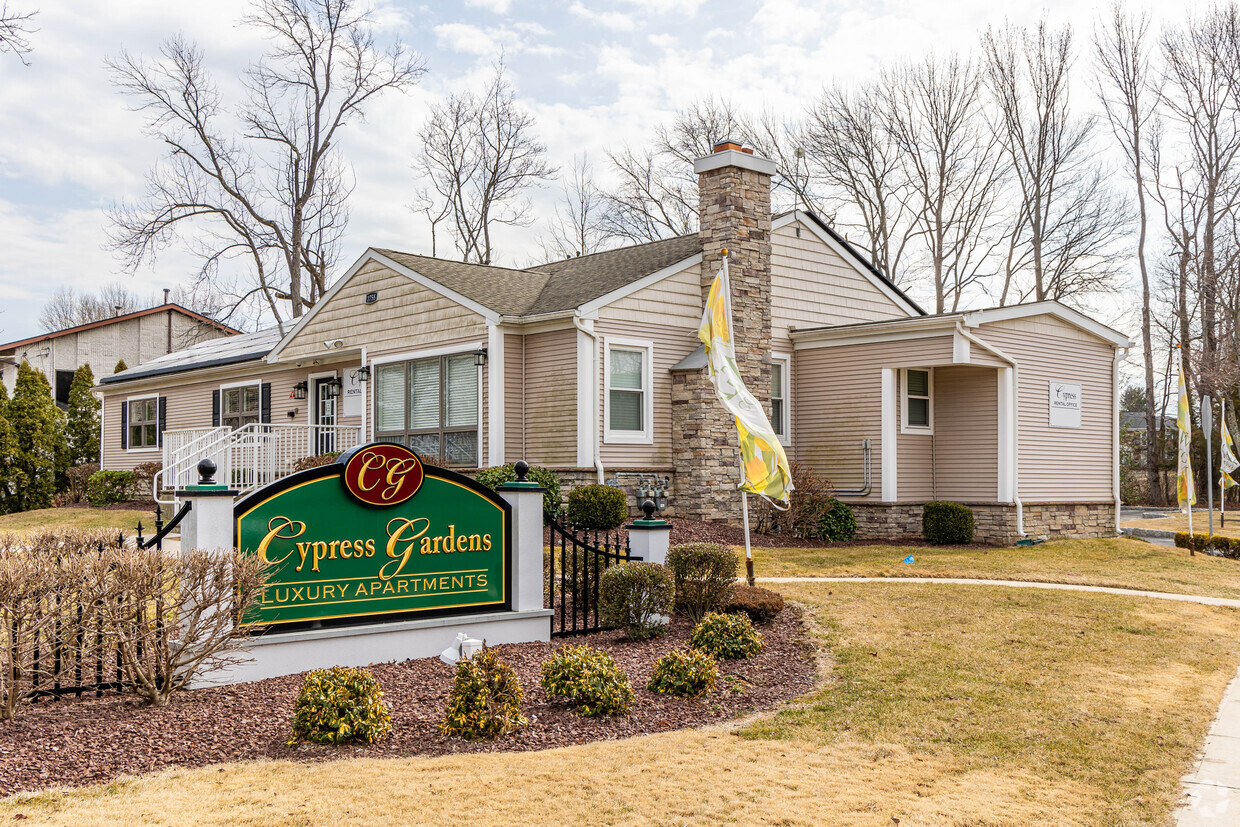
pixel 376 533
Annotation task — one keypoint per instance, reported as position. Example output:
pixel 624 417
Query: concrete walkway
pixel 1212 788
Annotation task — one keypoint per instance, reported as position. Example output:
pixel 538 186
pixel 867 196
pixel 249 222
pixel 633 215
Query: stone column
pixel 734 207
pixel 209 523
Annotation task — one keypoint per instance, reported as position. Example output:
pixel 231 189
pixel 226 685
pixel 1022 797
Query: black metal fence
pixel 575 563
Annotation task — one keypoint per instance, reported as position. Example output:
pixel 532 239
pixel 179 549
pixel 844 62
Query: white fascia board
pixel 592 307
pixel 849 257
pixel 1047 308
pixel 895 332
pixel 495 394
pixel 274 355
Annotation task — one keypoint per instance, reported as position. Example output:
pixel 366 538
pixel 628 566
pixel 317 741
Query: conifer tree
pixel 33 417
pixel 82 427
pixel 8 451
pixel 120 366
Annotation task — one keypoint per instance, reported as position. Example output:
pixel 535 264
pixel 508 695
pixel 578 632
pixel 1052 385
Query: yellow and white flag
pixel 1227 461
pixel 1184 470
pixel 764 464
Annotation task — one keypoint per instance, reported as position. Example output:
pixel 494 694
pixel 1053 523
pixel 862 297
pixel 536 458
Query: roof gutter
pixel 594 393
pixel 1014 425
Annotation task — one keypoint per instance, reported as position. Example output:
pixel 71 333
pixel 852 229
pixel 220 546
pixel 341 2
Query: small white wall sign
pixel 354 394
pixel 1065 404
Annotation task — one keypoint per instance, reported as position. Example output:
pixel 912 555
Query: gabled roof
pixel 245 347
pixel 124 317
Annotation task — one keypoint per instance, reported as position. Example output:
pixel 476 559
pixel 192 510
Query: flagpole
pixel 1222 449
pixel 727 298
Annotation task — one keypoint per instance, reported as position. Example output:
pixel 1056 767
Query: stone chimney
pixel 734 210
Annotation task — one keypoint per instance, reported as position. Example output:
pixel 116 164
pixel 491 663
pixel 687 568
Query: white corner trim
pixel 1047 308
pixel 960 349
pixel 593 305
pixel 887 402
pixel 495 394
pixel 798 216
pixel 646 435
pixel 1006 413
pixel 587 397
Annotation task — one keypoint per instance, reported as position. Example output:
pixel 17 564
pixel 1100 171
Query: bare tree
pixel 1129 90
pixel 952 166
pixel 575 229
pixel 15 31
pixel 268 187
pixel 480 156
pixel 852 149
pixel 1070 221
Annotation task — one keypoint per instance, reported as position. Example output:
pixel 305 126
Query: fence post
pixel 649 538
pixel 209 524
pixel 526 499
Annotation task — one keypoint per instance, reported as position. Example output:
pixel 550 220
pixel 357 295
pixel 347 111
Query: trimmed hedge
pixel 110 487
pixel 589 679
pixel 485 701
pixel 338 705
pixel 946 523
pixel 684 674
pixel 1218 544
pixel 597 507
pixel 496 475
pixel 726 636
pixel 636 596
pixel 704 574
pixel 760 604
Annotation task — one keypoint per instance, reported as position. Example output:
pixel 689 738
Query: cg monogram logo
pixel 383 475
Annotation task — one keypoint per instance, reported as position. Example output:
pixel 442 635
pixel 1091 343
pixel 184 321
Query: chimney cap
pixel 731 153
pixel 728 143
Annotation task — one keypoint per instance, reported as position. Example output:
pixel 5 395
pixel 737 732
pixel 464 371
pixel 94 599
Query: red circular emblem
pixel 383 474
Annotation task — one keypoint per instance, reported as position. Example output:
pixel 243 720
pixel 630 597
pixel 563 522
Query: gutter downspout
pixel 1120 355
pixel 594 393
pixel 1020 507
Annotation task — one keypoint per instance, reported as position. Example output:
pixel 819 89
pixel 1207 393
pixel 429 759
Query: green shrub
pixel 485 701
pixel 947 524
pixel 838 523
pixel 589 679
pixel 704 574
pixel 497 475
pixel 110 487
pixel 1219 545
pixel 338 705
pixel 726 636
pixel 1224 546
pixel 597 507
pixel 636 596
pixel 760 604
pixel 687 674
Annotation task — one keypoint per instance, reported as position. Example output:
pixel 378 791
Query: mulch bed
pixel 92 740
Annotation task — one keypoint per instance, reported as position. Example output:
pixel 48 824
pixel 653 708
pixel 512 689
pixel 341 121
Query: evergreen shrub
pixel 726 637
pixel 688 674
pixel 110 487
pixel 635 596
pixel 339 705
pixel 946 523
pixel 497 475
pixel 704 574
pixel 485 701
pixel 597 507
pixel 760 604
pixel 588 679
pixel 837 524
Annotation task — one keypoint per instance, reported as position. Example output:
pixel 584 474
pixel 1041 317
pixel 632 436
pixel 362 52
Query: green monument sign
pixel 376 533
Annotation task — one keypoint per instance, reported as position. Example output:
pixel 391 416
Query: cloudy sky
pixel 595 75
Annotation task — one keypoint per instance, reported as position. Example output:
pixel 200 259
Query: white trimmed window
pixel 627 396
pixel 781 397
pixel 142 423
pixel 240 405
pixel 431 405
pixel 917 401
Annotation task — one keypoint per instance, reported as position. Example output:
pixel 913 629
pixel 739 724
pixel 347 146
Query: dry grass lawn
pixel 1119 562
pixel 1201 522
pixel 78 518
pixel 958 706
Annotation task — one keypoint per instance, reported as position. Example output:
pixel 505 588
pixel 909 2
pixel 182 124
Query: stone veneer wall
pixel 993 522
pixel 571 478
pixel 734 205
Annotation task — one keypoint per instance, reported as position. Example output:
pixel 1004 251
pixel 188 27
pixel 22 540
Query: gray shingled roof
pixel 557 285
pixel 247 347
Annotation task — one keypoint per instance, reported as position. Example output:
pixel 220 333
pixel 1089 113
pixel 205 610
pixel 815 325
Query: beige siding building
pixel 592 366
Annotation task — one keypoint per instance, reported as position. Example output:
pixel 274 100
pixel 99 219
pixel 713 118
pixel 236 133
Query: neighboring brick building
pixel 135 337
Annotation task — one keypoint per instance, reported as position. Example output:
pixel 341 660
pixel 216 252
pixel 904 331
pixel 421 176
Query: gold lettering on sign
pixel 274 526
pixel 405 529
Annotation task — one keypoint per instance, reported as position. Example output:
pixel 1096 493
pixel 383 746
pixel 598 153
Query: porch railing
pixel 248 457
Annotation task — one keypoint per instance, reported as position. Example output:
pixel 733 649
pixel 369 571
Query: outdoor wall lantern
pixel 331 388
pixel 363 373
pixel 480 357
pixel 299 390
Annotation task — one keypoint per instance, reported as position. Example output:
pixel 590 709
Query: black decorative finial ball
pixel 206 472
pixel 648 509
pixel 522 468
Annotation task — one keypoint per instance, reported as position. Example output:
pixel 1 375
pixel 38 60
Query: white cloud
pixel 688 8
pixel 495 6
pixel 613 20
